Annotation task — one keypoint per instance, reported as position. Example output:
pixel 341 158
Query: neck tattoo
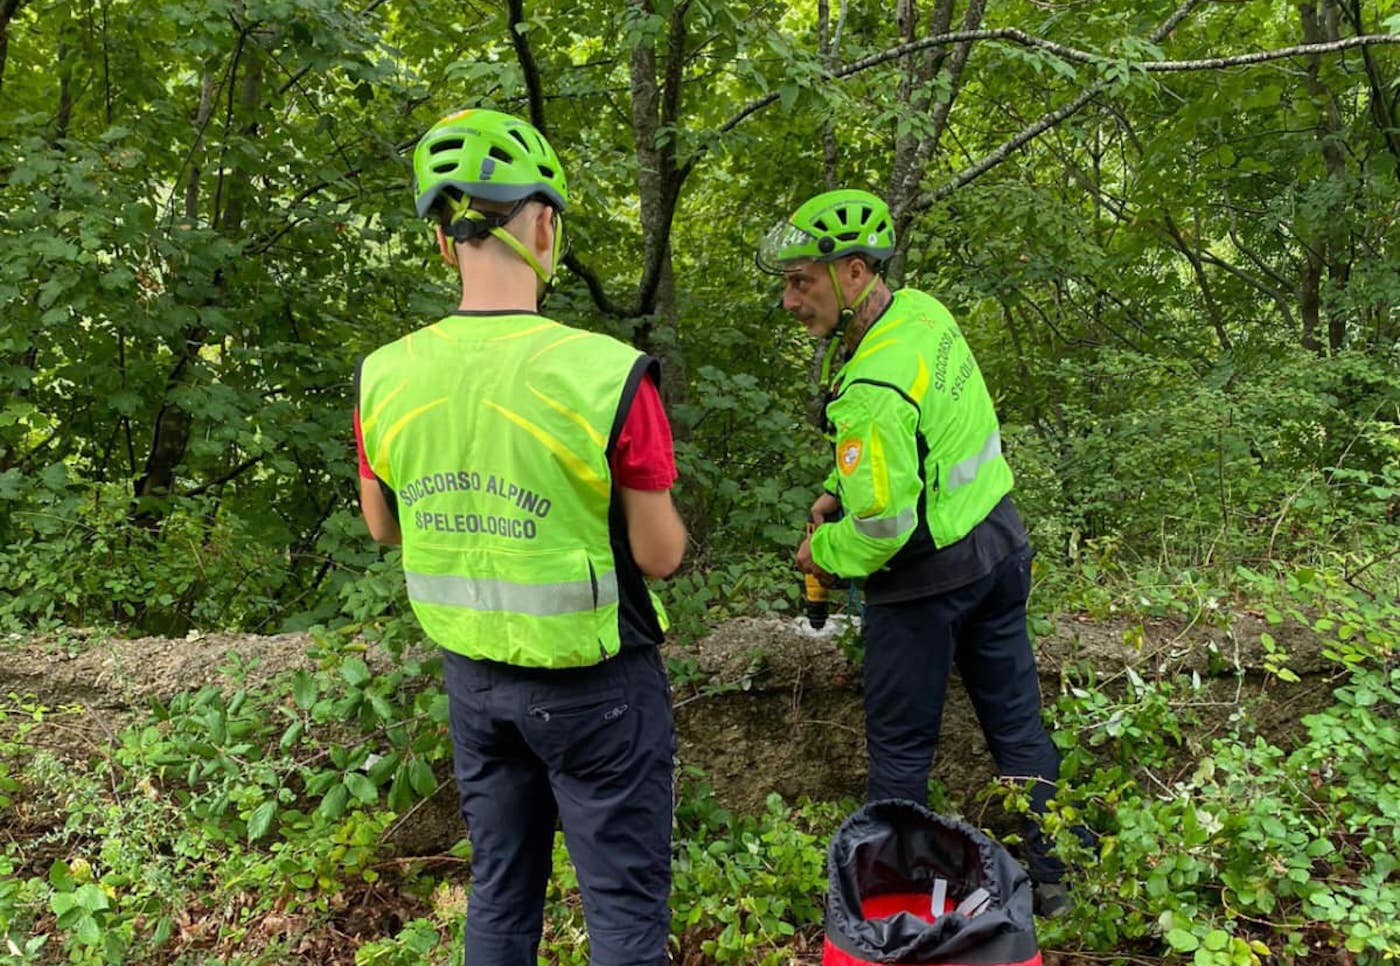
pixel 869 311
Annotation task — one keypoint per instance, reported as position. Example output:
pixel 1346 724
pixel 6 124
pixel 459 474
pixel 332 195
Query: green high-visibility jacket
pixel 916 442
pixel 493 432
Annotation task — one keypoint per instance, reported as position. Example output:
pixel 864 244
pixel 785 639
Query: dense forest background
pixel 1170 230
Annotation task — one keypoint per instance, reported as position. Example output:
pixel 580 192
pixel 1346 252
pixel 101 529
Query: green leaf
pixel 355 672
pixel 1182 941
pixel 361 787
pixel 421 777
pixel 61 877
pixel 88 932
pixel 291 736
pixel 303 690
pixel 333 805
pixel 92 898
pixel 260 822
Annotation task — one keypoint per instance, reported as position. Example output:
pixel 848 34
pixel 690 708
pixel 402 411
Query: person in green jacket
pixel 925 519
pixel 526 467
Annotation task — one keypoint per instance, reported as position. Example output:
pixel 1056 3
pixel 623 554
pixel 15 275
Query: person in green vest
pixel 917 507
pixel 526 468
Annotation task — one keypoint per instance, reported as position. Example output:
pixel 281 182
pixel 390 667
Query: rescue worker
pixel 526 468
pixel 926 522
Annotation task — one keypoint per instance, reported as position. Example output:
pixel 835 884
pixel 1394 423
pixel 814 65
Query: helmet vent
pixel 447 144
pixel 521 138
pixel 500 154
pixel 821 223
pixel 546 171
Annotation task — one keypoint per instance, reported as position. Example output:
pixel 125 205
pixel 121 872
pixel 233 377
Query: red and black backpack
pixel 909 886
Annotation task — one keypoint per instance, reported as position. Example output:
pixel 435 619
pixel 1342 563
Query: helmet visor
pixel 785 245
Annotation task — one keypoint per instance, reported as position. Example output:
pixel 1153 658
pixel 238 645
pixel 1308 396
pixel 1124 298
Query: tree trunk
pixel 171 429
pixel 8 10
pixel 1310 299
pixel 656 100
pixel 1321 23
pixel 1382 108
pixel 829 49
pixel 915 151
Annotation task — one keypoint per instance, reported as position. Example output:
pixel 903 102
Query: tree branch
pixel 1044 123
pixel 1077 56
pixel 292 79
pixel 231 474
pixel 595 288
pixel 996 157
pixel 1253 282
pixel 1074 55
pixel 528 67
pixel 534 92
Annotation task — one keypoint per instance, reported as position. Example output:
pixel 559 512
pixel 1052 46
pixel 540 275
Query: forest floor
pixel 759 707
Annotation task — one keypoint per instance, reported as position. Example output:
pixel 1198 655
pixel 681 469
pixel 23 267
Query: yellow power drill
pixel 814 595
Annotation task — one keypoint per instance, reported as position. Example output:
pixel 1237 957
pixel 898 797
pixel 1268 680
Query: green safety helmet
pixel 486 154
pixel 832 225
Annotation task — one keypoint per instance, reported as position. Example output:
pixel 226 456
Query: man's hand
pixel 825 506
pixel 807 565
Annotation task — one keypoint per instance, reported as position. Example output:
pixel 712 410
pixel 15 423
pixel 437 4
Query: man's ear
pixel 447 247
pixel 544 228
pixel 859 269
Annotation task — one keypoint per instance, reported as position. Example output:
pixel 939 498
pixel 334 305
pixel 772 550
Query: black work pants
pixel 591 748
pixel 910 648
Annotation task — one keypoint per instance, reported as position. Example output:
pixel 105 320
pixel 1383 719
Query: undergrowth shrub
pixel 1253 849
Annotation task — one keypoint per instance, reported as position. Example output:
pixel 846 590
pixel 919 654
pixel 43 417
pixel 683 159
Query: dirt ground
pixel 780 705
pixel 759 706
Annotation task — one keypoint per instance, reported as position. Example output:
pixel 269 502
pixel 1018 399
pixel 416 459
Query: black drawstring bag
pixel 910 886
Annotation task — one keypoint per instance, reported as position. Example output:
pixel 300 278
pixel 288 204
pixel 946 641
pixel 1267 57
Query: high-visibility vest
pixel 494 433
pixel 916 353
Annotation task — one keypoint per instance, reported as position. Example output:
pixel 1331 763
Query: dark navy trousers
pixel 911 646
pixel 592 749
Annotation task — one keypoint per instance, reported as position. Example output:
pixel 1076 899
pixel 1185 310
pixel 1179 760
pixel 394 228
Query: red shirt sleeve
pixel 643 458
pixel 365 472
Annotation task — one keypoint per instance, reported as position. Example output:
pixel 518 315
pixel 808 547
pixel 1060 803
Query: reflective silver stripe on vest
pixel 965 471
pixel 537 600
pixel 884 527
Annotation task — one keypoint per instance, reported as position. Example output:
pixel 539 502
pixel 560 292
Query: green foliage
pixel 230 807
pixel 760 583
pixel 206 224
pixel 1255 850
pixel 1184 294
pixel 742 887
pixel 1244 465
pixel 420 941
pixel 235 809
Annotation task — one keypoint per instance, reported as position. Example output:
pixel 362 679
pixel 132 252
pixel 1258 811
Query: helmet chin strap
pixel 843 317
pixel 480 224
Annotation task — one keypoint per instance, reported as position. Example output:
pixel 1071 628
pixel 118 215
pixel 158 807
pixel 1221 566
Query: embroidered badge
pixel 848 455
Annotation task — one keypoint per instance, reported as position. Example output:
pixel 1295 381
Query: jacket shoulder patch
pixel 848 454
